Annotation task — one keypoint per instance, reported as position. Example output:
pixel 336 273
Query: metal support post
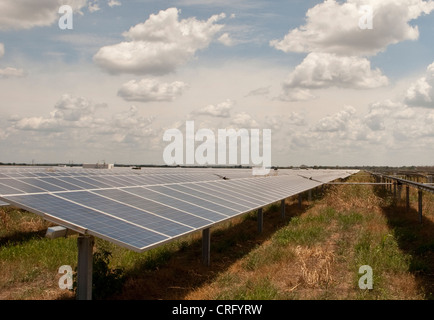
pixel 282 208
pixel 407 197
pixel 300 200
pixel 84 271
pixel 206 246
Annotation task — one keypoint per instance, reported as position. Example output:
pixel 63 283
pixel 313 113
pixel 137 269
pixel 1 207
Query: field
pixel 313 254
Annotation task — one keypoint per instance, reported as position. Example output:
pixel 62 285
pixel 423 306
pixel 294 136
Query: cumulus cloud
pixel 244 121
pixel 26 14
pixel 159 45
pixel 421 93
pixel 277 123
pixel 382 111
pixel 221 110
pixel 321 70
pixel 226 39
pixel 11 73
pixel 338 48
pixel 69 112
pixel 126 127
pixel 259 92
pixel 295 94
pixel 114 3
pixel 76 118
pixel 333 27
pixel 93 6
pixel 151 90
pixel 336 122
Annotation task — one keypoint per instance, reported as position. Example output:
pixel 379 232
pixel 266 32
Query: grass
pixel 314 253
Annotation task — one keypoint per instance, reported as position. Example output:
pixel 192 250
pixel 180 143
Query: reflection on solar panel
pixel 143 209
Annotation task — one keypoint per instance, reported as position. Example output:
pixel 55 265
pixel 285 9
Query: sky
pixel 348 83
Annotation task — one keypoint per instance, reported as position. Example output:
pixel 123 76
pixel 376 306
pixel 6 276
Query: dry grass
pixel 314 253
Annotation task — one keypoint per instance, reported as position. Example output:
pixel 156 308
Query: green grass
pixel 306 230
pixel 253 289
pixel 265 255
pixel 356 224
pixel 35 258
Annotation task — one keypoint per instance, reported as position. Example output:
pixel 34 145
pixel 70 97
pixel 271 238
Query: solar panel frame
pixel 180 203
pixel 127 212
pixel 179 200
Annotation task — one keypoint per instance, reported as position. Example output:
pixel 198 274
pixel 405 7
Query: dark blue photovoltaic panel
pixel 86 218
pixel 61 184
pixel 77 182
pixel 209 197
pixel 155 208
pixel 8 190
pixel 110 181
pixel 225 186
pixel 127 213
pixel 42 184
pixel 24 187
pixel 202 212
pixel 223 194
pixel 144 208
pixel 194 200
pixel 93 181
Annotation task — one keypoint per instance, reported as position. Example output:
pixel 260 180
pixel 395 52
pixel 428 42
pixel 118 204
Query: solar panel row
pixel 140 211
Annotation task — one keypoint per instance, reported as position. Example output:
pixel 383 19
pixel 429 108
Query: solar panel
pixel 143 209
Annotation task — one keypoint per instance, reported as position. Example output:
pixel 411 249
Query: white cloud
pixel 75 119
pixel 11 73
pixel 380 112
pixel 277 123
pixel 221 110
pixel 333 27
pixel 259 92
pixel 295 94
pixel 93 6
pixel 114 3
pixel 226 39
pixel 151 90
pixel 421 93
pixel 27 14
pixel 69 112
pixel 322 70
pixel 243 121
pixel 337 47
pixel 336 122
pixel 159 45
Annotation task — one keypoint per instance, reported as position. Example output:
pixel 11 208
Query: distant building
pixel 98 166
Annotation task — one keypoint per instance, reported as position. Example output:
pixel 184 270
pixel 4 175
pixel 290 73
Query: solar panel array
pixel 141 209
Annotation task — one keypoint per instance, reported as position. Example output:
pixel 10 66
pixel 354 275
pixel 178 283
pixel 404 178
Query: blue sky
pixel 330 92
